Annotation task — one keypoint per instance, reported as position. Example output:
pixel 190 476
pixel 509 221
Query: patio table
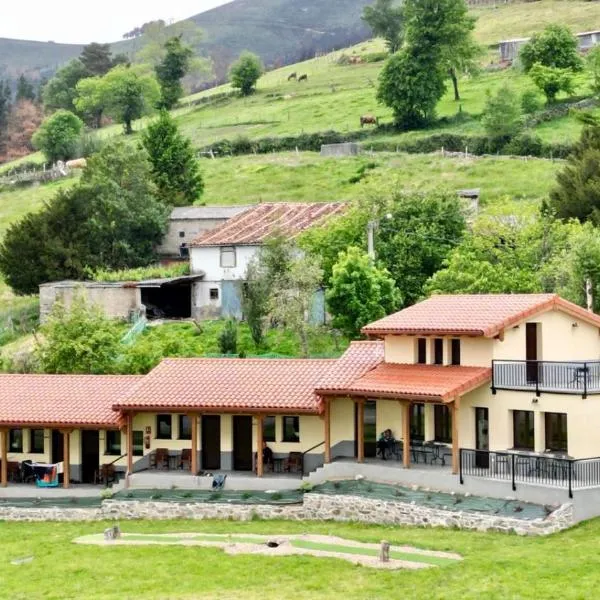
pixel 174 459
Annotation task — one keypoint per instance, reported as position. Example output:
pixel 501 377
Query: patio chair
pixel 185 459
pixel 162 459
pixel 293 463
pixel 106 474
pixel 13 470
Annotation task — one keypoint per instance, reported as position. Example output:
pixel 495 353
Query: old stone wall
pixel 316 507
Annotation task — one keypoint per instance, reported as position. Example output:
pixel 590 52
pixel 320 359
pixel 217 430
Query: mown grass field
pixel 495 566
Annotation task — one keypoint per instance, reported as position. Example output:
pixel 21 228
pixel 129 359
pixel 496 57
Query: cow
pixel 293 75
pixel 355 60
pixel 303 77
pixel 79 163
pixel 369 120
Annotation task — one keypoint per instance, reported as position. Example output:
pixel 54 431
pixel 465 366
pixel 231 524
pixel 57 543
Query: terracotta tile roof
pixel 231 385
pixel 477 315
pixel 254 225
pixel 62 400
pixel 360 358
pixel 426 382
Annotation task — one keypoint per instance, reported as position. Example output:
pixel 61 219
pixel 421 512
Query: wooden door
pixel 242 443
pixel 90 455
pixel 531 351
pixel 211 442
pixel 370 429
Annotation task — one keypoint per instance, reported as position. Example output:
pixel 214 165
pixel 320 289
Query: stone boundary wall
pixel 316 507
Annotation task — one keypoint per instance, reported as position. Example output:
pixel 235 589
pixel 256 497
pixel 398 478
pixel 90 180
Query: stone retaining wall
pixel 316 507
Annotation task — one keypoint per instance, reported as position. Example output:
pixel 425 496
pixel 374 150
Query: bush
pixel 375 57
pixel 501 116
pixel 552 80
pixel 245 72
pixel 530 102
pixel 556 47
pixel 89 144
pixel 525 144
pixel 58 136
pixel 228 340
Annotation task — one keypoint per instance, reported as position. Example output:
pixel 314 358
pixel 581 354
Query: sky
pixel 81 22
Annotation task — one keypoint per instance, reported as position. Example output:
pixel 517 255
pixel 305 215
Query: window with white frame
pixel 228 259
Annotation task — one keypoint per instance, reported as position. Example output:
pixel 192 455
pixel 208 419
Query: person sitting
pixel 386 443
pixel 267 455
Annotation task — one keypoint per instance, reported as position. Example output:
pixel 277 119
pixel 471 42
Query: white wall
pixel 208 260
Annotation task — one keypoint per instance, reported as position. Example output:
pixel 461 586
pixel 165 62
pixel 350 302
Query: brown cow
pixel 369 120
pixel 293 75
pixel 303 77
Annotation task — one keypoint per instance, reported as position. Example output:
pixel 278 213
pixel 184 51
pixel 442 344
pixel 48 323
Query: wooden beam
pixel 194 459
pixel 406 435
pixel 455 446
pixel 360 404
pixel 327 423
pixel 259 445
pixel 4 457
pixel 129 448
pixel 66 433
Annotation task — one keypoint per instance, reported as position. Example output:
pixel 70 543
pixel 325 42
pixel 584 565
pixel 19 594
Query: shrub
pixel 556 47
pixel 530 102
pixel 375 57
pixel 58 136
pixel 245 72
pixel 228 341
pixel 501 116
pixel 552 80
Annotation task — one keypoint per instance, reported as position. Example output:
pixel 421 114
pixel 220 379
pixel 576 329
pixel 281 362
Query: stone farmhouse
pixel 491 394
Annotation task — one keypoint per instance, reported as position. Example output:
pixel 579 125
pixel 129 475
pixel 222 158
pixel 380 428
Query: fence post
pixel 512 472
pixel 570 479
pixel 460 466
pixel 585 374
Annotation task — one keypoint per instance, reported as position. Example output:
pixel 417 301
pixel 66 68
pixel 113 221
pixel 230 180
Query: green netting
pixel 212 496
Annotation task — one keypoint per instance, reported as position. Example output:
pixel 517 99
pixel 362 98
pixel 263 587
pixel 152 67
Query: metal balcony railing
pixel 572 377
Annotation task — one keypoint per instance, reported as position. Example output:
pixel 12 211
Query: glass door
pixel 482 438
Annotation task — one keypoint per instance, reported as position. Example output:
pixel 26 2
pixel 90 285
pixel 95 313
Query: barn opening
pixel 168 298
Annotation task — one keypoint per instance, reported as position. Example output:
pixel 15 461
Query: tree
pixel 92 99
pixel 411 83
pixel 554 47
pixel 593 66
pixel 80 340
pixel 24 119
pixel 502 118
pixel 172 70
pixel 551 80
pixel 60 91
pixel 5 102
pixel 156 34
pixel 386 21
pixel 228 338
pixel 292 297
pixel 97 59
pixel 25 90
pixel 255 296
pixel 130 94
pixel 577 191
pixel 245 72
pixel 58 135
pixel 175 169
pixel 360 292
pixel 110 220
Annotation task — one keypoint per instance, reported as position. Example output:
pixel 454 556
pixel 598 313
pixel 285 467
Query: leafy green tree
pixel 577 191
pixel 80 340
pixel 386 21
pixel 554 47
pixel 411 83
pixel 97 59
pixel 552 80
pixel 92 99
pixel 360 292
pixel 25 90
pixel 172 70
pixel 58 136
pixel 5 104
pixel 130 94
pixel 110 220
pixel 593 66
pixel 175 170
pixel 502 118
pixel 255 296
pixel 245 72
pixel 60 91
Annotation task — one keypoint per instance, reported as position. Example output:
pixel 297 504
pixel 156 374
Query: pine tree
pixel 25 90
pixel 172 70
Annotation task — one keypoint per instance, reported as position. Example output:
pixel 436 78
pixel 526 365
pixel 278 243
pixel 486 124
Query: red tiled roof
pixel 62 400
pixel 419 381
pixel 478 315
pixel 254 225
pixel 360 358
pixel 230 385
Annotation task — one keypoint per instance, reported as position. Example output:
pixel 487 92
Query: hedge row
pixel 522 145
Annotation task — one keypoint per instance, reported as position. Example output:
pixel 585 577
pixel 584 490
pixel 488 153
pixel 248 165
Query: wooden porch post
pixel 406 435
pixel 327 423
pixel 129 447
pixel 361 430
pixel 194 459
pixel 66 433
pixel 455 445
pixel 4 457
pixel 259 445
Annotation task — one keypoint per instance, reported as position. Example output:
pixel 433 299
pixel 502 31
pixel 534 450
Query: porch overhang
pixel 215 410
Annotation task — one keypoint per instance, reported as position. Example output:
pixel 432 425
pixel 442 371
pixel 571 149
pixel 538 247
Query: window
pixel 421 351
pixel 15 440
pixel 556 432
pixel 269 429
pixel 455 350
pixel 523 431
pixel 214 293
pixel 181 234
pixel 164 430
pixel 36 441
pixel 438 351
pixel 185 428
pixel 443 424
pixel 113 443
pixel 417 422
pixel 228 257
pixel 138 443
pixel 291 429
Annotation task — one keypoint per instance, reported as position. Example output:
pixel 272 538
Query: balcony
pixel 573 377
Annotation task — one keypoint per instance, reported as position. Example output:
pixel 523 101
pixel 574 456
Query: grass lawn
pixel 495 566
